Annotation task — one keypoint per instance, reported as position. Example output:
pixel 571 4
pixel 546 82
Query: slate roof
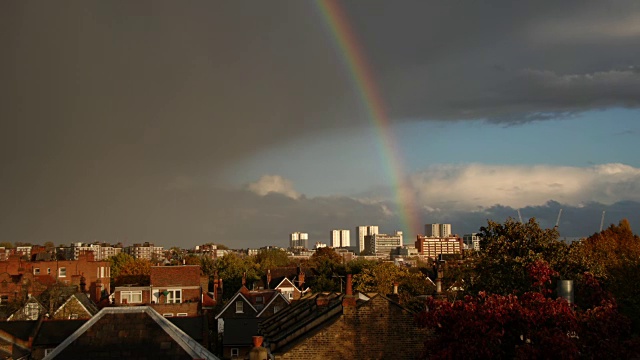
pixel 304 317
pixel 54 332
pixel 130 332
pixel 21 329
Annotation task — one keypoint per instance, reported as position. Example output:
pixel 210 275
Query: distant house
pixel 343 326
pixel 77 306
pixel 290 281
pixel 240 318
pixel 31 310
pixel 137 332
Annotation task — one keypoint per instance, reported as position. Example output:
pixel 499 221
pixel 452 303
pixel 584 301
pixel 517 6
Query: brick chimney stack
pixel 268 279
pixel 349 301
pixel 300 280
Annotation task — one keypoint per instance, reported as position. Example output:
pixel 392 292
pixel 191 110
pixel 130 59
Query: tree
pixel 49 245
pixel 232 268
pixel 613 257
pixel 6 245
pixel 529 325
pixel 127 270
pixel 506 251
pixel 381 277
pixel 272 258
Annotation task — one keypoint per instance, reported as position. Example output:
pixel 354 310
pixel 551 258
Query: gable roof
pixel 273 299
pixel 233 301
pixel 30 300
pixel 123 314
pixel 86 303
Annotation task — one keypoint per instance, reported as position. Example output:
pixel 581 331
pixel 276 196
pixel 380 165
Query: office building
pixel 361 232
pixel 339 238
pixel 471 241
pixel 433 246
pixel 381 245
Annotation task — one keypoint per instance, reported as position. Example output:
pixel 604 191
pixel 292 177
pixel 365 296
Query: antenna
pixel 602 221
pixel 519 216
pixel 558 220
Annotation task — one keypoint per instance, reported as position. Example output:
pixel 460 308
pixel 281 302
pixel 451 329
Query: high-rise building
pixel 381 245
pixel 339 238
pixel 471 241
pixel 298 240
pixel 437 230
pixel 361 232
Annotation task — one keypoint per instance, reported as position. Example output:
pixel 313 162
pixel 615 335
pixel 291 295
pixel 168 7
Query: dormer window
pixel 239 306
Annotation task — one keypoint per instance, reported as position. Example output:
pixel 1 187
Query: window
pixel 239 306
pixel 4 299
pixel 276 308
pixel 182 314
pixel 32 311
pixel 174 296
pixel 62 272
pixel 36 271
pixel 259 299
pixel 235 352
pixel 73 316
pixel 168 315
pixel 131 297
pixel 49 271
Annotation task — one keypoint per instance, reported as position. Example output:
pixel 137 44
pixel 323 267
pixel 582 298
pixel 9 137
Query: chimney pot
pixel 395 288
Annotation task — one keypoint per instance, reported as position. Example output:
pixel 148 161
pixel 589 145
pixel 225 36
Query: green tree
pixel 6 245
pixel 49 245
pixel 231 268
pixel 272 258
pixel 127 270
pixel 506 251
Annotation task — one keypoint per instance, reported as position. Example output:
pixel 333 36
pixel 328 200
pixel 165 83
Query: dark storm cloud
pixel 102 104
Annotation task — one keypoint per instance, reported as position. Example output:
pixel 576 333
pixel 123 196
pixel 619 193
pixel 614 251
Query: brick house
pixel 95 274
pixel 343 326
pixel 240 318
pixel 173 291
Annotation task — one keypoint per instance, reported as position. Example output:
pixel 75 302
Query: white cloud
pixel 465 187
pixel 274 184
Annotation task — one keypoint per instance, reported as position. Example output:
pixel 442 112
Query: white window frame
pixel 172 298
pixel 182 314
pixel 32 311
pixel 73 317
pixel 48 271
pixel 36 271
pixel 239 306
pixel 62 272
pixel 235 352
pixel 129 296
pixel 168 315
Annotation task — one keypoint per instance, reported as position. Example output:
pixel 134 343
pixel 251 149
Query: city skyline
pixel 241 122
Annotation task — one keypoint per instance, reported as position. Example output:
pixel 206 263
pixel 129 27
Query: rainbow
pixel 365 85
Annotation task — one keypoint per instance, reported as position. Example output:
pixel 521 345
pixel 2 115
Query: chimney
pixel 268 279
pixel 395 288
pixel 98 292
pixel 258 352
pixel 83 284
pixel 349 301
pixel 300 280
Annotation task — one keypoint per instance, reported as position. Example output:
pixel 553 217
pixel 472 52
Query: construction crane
pixel 602 221
pixel 519 216
pixel 558 220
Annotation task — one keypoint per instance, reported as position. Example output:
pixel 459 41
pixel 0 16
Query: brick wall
pixel 191 309
pixel 186 275
pixel 377 329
